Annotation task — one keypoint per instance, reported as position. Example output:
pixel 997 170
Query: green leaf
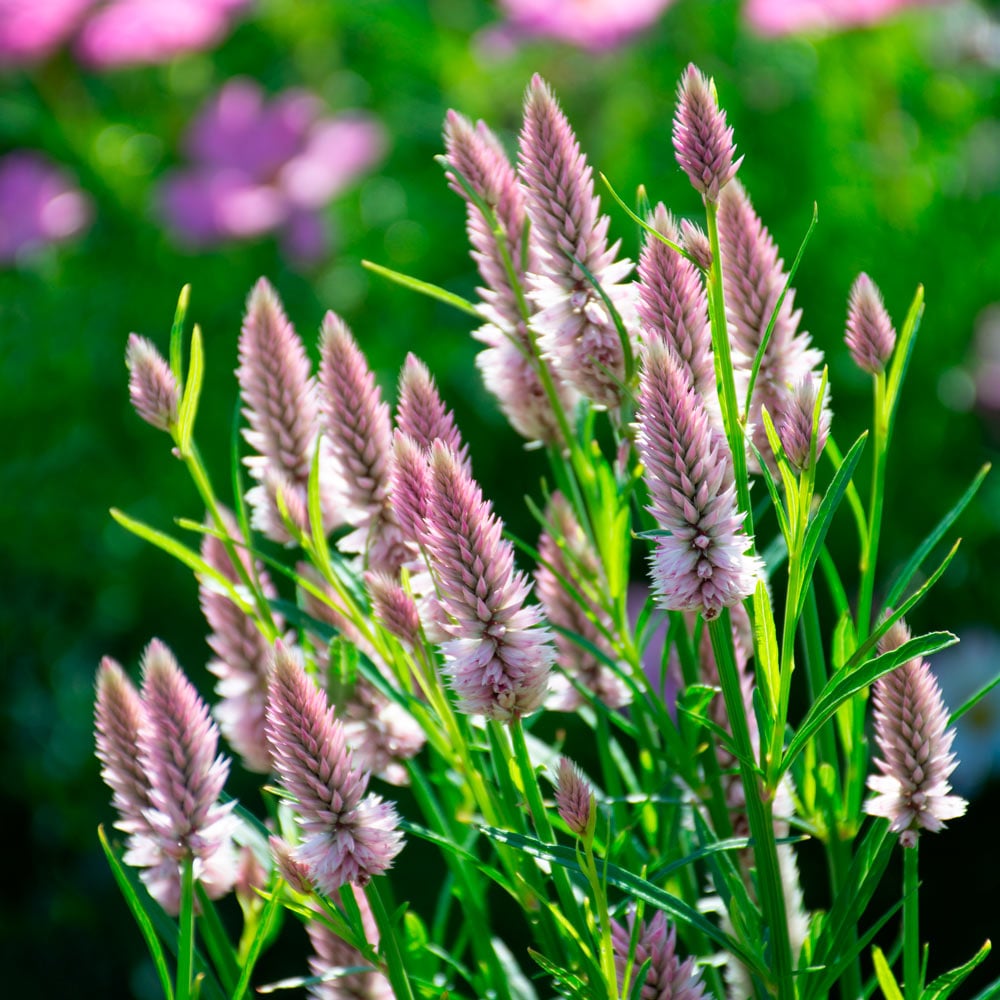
pixel 265 926
pixel 847 682
pixel 901 356
pixel 177 334
pixel 424 288
pixel 142 918
pixel 192 392
pixel 819 524
pixel 216 941
pixel 940 529
pixel 182 553
pixel 569 980
pixel 633 885
pixel 946 984
pixel 974 700
pixel 644 225
pixel 890 988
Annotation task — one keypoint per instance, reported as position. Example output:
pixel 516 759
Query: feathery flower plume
pixel 508 364
pixel 394 607
pixel 703 142
pixel 359 432
pixel 673 305
pixel 911 733
pixel 152 387
pixel 574 797
pixel 421 413
pixel 696 242
pixel 498 655
pixel 279 397
pixel 243 653
pixel 331 952
pixel 349 836
pixel 794 422
pixel 668 978
pixel 177 749
pixel 703 564
pixel 870 335
pixel 118 716
pixel 566 556
pixel 410 486
pixel 295 874
pixel 754 278
pixel 575 327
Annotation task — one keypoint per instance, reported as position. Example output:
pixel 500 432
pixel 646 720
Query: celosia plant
pixel 369 623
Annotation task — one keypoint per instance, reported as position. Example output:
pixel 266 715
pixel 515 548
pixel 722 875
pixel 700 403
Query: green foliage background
pixel 893 131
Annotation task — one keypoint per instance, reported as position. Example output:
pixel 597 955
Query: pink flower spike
pixel 673 305
pixel 152 387
pixel 410 486
pixel 668 978
pixel 870 335
pixel 794 422
pixel 349 836
pixel 575 328
pixel 279 397
pixel 912 791
pixel 703 564
pixel 420 412
pixel 574 797
pixel 498 656
pixel 177 747
pixel 702 140
pixel 394 607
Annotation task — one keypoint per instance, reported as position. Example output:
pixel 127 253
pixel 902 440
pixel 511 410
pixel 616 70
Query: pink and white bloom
pixel 703 564
pixel 796 17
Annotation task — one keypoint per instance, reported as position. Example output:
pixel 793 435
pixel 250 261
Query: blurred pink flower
pixel 116 33
pixel 129 32
pixel 30 30
pixel 789 17
pixel 39 204
pixel 260 166
pixel 590 24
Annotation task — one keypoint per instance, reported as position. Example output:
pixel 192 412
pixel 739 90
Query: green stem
pixel 185 931
pixel 389 945
pixel 911 923
pixel 870 555
pixel 759 808
pixel 724 369
pixel 607 954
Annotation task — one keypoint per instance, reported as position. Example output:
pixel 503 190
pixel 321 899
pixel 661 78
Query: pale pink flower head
pixel 39 205
pixel 596 25
pixel 281 406
pixel 574 797
pixel 912 791
pixel 348 836
pixel 792 17
pixel 703 564
pixel 498 654
pixel 703 141
pixel 421 413
pixel 576 330
pixel 668 978
pixel 158 748
pixel 870 335
pixel 394 607
pixel 794 421
pixel 142 32
pixel 261 166
pixel 152 387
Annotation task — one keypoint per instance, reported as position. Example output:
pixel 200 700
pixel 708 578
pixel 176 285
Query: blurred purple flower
pixel 39 204
pixel 589 24
pixel 119 33
pixel 260 166
pixel 790 17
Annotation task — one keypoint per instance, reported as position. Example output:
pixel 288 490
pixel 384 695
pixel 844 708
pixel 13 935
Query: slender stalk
pixel 870 553
pixel 911 923
pixel 724 368
pixel 185 931
pixel 759 808
pixel 389 945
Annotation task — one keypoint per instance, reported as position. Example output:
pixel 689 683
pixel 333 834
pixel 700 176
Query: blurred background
pixel 144 145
